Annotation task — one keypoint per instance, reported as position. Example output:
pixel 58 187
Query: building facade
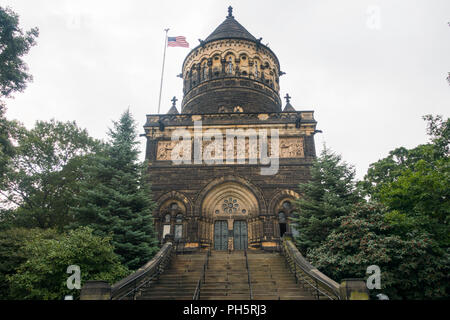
pixel 225 170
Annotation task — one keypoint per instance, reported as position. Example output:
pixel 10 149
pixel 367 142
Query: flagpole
pixel 162 72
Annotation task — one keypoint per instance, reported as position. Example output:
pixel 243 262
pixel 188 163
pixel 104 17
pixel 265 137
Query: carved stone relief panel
pixel 165 149
pixel 292 147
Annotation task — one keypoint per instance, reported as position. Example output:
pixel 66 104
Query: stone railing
pixel 319 284
pixel 128 287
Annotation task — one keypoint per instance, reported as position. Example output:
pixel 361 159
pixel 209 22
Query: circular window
pixel 230 205
pixel 287 205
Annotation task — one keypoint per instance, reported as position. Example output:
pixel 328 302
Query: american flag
pixel 177 42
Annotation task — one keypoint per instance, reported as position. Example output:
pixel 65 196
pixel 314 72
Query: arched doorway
pixel 231 208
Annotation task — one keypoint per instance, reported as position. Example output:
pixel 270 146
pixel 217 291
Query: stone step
pixel 226 278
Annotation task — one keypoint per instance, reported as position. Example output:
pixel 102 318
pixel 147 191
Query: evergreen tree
pixel 329 194
pixel 115 197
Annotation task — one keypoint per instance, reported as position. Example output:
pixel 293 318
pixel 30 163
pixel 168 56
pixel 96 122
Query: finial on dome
pixel 230 12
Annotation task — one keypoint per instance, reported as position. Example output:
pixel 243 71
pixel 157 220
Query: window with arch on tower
pixel 205 71
pixel 230 66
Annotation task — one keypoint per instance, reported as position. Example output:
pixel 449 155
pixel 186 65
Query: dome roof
pixel 212 84
pixel 230 29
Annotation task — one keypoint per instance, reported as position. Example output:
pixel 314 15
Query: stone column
pixel 230 232
pixel 96 290
pixel 354 289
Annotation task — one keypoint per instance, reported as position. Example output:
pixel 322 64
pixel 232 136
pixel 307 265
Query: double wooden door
pixel 221 235
pixel 240 235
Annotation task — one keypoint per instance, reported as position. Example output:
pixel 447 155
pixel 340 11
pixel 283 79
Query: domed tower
pixel 231 68
pixel 219 195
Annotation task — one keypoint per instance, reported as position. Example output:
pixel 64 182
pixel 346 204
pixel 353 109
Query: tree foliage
pixel 401 226
pixel 14 44
pixel 43 174
pixel 43 276
pixel 8 133
pixel 414 184
pixel 115 197
pixel 325 198
pixel 410 269
pixel 12 253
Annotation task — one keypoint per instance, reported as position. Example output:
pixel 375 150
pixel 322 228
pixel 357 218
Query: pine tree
pixel 329 194
pixel 115 197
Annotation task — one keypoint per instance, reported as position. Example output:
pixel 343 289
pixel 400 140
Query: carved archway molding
pixel 230 200
pixel 281 196
pixel 239 186
pixel 173 196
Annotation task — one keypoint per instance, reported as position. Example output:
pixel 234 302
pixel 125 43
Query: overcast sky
pixel 369 69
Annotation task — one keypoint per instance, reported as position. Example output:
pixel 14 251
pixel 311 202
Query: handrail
pixel 249 279
pixel 196 295
pixel 308 274
pixel 144 275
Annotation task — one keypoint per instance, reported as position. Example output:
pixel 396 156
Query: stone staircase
pixel 227 278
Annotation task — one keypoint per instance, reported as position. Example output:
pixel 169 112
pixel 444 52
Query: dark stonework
pixel 192 199
pixel 251 95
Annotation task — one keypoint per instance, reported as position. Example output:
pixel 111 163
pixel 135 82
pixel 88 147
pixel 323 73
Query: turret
pixel 229 69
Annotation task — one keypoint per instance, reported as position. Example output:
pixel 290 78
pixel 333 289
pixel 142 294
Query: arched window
pixel 282 223
pixel 287 205
pixel 166 226
pixel 281 217
pixel 205 71
pixel 173 212
pixel 179 227
pixel 285 211
pixel 230 66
